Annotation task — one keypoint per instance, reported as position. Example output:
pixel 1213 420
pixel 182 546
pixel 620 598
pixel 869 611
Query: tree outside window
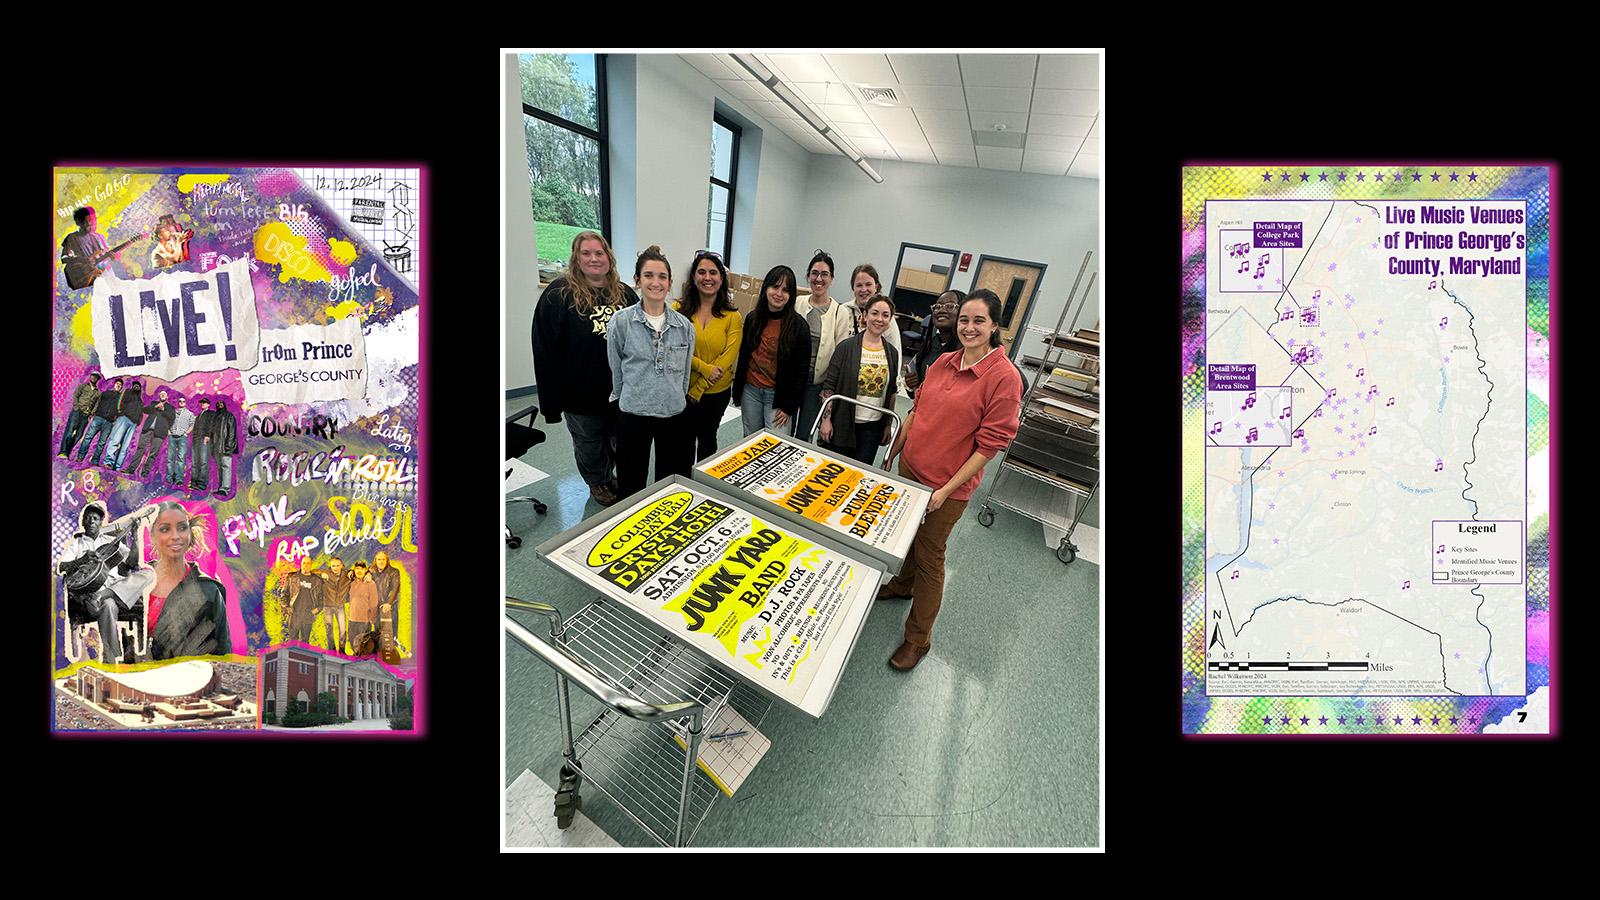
pixel 564 129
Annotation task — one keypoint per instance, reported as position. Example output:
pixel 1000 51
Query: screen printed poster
pixel 235 406
pixel 829 491
pixel 755 595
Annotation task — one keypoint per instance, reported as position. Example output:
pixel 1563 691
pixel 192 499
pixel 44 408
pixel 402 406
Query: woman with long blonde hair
pixel 569 358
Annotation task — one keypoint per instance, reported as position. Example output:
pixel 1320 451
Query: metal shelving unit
pixel 641 750
pixel 1055 450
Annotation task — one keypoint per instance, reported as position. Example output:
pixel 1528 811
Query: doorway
pixel 1016 283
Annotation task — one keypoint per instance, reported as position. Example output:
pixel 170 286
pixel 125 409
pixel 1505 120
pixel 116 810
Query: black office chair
pixel 519 440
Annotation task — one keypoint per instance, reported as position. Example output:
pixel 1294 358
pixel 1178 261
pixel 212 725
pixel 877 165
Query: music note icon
pixel 1244 266
pixel 1217 429
pixel 1251 437
pixel 1360 372
pixel 1288 410
pixel 1441 549
pixel 1430 285
pixel 1287 315
pixel 1391 402
pixel 1332 393
pixel 1317 413
pixel 1260 272
pixel 1315 295
pixel 1265 258
pixel 1235 575
pixel 1406 586
pixel 1299 432
pixel 1444 321
pixel 1438 465
pixel 1250 400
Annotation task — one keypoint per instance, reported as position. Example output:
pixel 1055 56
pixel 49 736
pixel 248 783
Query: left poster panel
pixel 235 410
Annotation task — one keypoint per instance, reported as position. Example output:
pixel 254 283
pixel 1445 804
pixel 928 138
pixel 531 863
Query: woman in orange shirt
pixel 718 329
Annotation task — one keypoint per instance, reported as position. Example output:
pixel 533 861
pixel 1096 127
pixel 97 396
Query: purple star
pixel 1304 177
pixel 1322 334
pixel 1353 453
pixel 1374 332
pixel 1458 654
pixel 1323 720
pixel 1302 450
pixel 1285 720
pixel 1397 720
pixel 1323 177
pixel 1281 472
pixel 1332 266
pixel 1416 720
pixel 1341 176
pixel 1258 287
pixel 1416 176
pixel 1454 177
pixel 1341 720
pixel 1274 541
pixel 1322 374
pixel 1473 719
pixel 1447 359
pixel 1436 176
pixel 1361 335
pixel 1286 176
pixel 1267 176
pixel 1305 720
pixel 1360 177
pixel 1380 321
pixel 1347 345
pixel 1237 426
pixel 1473 177
pixel 1397 176
pixel 1348 297
pixel 1374 246
pixel 1358 220
pixel 1278 280
pixel 1266 720
pixel 1378 177
pixel 1452 720
pixel 1341 454
pixel 1333 474
pixel 1361 720
pixel 1275 506
pixel 1435 720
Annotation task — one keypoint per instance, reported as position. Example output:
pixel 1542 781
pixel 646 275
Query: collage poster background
pixel 327 442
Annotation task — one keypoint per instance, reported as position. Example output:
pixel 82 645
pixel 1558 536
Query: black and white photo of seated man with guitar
pixel 84 253
pixel 106 581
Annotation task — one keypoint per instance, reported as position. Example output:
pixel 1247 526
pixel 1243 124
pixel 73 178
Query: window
pixel 564 125
pixel 724 175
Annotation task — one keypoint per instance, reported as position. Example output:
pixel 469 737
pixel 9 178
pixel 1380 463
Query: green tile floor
pixel 992 741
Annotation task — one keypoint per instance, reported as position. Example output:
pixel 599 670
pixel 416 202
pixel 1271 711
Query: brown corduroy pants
pixel 923 574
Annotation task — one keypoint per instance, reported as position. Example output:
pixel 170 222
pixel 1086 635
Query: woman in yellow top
pixel 718 328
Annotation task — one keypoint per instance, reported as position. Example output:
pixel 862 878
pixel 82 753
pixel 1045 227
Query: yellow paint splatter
pixel 277 245
pixel 186 183
pixel 82 331
pixel 344 252
pixel 119 190
pixel 344 309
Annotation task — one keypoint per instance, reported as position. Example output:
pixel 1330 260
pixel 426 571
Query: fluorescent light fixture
pixel 772 83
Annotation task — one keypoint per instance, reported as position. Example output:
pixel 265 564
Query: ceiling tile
pixel 744 90
pixel 1085 166
pixel 1094 131
pixel 1065 103
pixel 999 99
pixel 856 129
pixel 862 68
pixel 926 68
pixel 933 96
pixel 1091 145
pixel 1000 158
pixel 798 67
pixel 877 148
pixel 985 121
pixel 1054 143
pixel 912 148
pixel 842 112
pixel 998 69
pixel 1012 139
pixel 814 91
pixel 1070 126
pixel 1069 70
pixel 951 122
pixel 1046 163
pixel 712 66
pixel 952 149
pixel 772 110
pixel 893 121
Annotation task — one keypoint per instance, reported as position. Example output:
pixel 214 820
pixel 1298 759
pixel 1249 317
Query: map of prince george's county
pixel 1366 448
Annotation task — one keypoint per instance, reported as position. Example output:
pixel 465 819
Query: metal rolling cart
pixel 1058 438
pixel 894 425
pixel 656 698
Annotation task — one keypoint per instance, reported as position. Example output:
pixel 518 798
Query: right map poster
pixel 1367 401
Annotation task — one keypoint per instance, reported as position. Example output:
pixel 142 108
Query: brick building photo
pixel 194 693
pixel 367 693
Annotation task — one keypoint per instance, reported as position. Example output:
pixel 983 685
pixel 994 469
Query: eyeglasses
pixel 700 254
pixel 819 273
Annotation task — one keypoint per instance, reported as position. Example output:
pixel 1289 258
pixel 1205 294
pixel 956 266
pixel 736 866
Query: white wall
pixel 521 252
pixel 1047 219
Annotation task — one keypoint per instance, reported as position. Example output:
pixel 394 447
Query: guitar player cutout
pixel 84 253
pixel 104 578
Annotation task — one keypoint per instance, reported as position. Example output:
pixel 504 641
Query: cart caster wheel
pixel 564 818
pixel 986 517
pixel 540 508
pixel 513 542
pixel 1066 552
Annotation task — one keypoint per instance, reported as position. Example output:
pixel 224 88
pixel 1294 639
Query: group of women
pixel 629 371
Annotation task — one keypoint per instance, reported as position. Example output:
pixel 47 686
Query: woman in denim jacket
pixel 649 347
